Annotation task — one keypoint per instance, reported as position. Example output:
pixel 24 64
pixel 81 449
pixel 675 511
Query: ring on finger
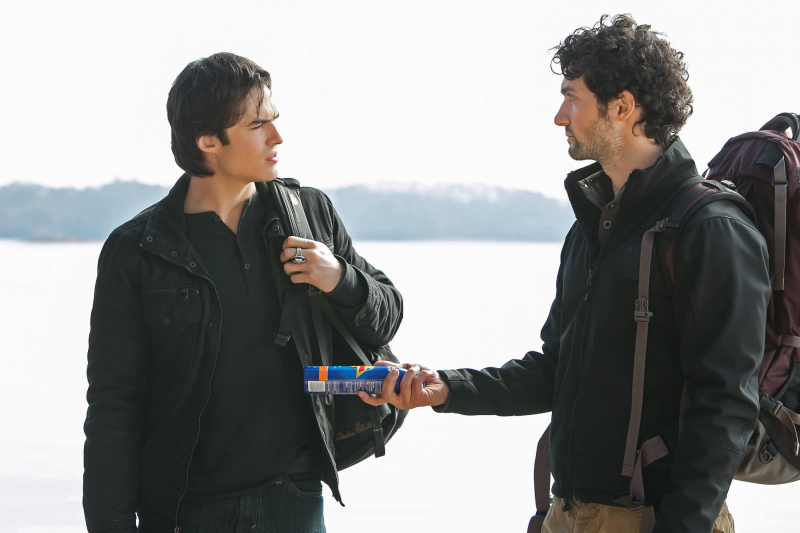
pixel 298 257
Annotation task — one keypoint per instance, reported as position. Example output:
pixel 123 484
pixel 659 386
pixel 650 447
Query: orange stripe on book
pixel 323 373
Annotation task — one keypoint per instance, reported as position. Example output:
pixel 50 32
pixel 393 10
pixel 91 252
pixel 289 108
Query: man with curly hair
pixel 625 99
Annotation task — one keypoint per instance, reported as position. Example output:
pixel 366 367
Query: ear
pixel 208 143
pixel 623 108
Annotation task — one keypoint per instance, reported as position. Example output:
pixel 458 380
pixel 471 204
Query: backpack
pixel 756 172
pixel 359 430
pixel 765 168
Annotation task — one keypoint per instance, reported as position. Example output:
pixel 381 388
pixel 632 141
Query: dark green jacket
pixel 707 332
pixel 150 378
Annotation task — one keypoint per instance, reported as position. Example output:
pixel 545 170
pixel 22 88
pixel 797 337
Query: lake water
pixel 467 304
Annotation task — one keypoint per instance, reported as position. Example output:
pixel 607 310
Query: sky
pixel 369 92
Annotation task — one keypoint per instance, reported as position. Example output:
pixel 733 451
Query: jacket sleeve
pixel 374 320
pixel 117 375
pixel 520 387
pixel 722 286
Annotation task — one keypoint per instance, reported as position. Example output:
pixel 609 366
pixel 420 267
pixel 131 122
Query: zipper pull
pixel 588 286
pixel 186 293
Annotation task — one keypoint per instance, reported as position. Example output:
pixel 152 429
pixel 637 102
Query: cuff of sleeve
pixel 352 290
pixel 445 407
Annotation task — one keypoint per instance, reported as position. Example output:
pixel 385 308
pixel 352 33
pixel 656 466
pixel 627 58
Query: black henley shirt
pixel 258 423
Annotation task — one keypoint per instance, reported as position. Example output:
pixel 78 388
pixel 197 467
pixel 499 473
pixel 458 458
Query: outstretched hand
pixel 412 393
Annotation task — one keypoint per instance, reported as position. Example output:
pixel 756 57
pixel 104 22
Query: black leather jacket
pixel 707 332
pixel 149 377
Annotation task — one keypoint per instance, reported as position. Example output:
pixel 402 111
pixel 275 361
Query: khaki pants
pixel 596 518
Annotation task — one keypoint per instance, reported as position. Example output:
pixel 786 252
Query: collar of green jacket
pixel 674 167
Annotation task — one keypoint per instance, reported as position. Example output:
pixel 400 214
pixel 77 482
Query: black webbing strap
pixel 380 441
pixel 288 201
pixel 781 185
pixel 317 300
pixel 342 329
pixel 284 332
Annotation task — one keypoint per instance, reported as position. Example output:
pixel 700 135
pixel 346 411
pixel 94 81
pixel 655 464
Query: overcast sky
pixel 374 91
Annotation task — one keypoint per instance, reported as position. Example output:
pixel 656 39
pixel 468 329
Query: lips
pixel 273 158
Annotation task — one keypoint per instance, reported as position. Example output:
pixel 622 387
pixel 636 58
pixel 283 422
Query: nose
pixel 562 117
pixel 274 137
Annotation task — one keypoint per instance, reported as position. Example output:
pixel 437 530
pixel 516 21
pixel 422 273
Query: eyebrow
pixel 567 88
pixel 263 120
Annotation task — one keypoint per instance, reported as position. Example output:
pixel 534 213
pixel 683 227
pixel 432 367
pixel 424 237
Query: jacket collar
pixel 165 234
pixel 674 167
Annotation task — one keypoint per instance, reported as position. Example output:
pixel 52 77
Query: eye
pixel 259 126
pixel 570 97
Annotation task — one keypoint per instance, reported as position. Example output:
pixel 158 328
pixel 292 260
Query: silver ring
pixel 298 257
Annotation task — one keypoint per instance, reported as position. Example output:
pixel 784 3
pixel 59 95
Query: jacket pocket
pixel 173 317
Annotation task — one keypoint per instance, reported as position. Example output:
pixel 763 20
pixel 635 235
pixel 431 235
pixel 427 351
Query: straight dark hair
pixel 209 96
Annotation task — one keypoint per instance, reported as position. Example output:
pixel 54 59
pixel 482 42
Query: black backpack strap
pixel 319 301
pixel 289 204
pixel 288 199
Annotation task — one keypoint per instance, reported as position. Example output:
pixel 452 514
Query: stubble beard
pixel 602 143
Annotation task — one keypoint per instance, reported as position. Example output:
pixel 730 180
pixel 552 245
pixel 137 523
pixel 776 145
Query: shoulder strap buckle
pixel 642 312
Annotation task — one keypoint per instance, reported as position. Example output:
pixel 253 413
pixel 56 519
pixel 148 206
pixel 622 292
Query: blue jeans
pixel 292 504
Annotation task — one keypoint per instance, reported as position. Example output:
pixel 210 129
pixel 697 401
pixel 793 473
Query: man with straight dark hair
pixel 625 99
pixel 197 421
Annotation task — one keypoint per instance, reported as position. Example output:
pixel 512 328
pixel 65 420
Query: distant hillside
pixel 35 212
pixel 451 212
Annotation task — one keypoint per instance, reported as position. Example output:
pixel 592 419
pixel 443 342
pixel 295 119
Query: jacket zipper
pixel 186 293
pixel 587 303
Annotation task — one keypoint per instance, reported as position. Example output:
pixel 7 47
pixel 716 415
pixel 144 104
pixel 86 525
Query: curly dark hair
pixel 625 56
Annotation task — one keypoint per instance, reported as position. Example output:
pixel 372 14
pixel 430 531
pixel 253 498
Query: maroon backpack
pixel 764 169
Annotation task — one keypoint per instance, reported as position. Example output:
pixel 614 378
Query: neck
pixel 223 196
pixel 641 154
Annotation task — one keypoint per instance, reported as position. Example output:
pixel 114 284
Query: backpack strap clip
pixel 642 312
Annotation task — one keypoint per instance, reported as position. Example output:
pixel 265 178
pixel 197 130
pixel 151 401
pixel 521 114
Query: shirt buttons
pixel 192 264
pixel 216 218
pixel 363 315
pixel 149 239
pixel 174 254
pixel 247 266
pixel 276 228
pixel 165 321
pixel 607 224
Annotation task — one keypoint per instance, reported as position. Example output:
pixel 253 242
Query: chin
pixel 268 176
